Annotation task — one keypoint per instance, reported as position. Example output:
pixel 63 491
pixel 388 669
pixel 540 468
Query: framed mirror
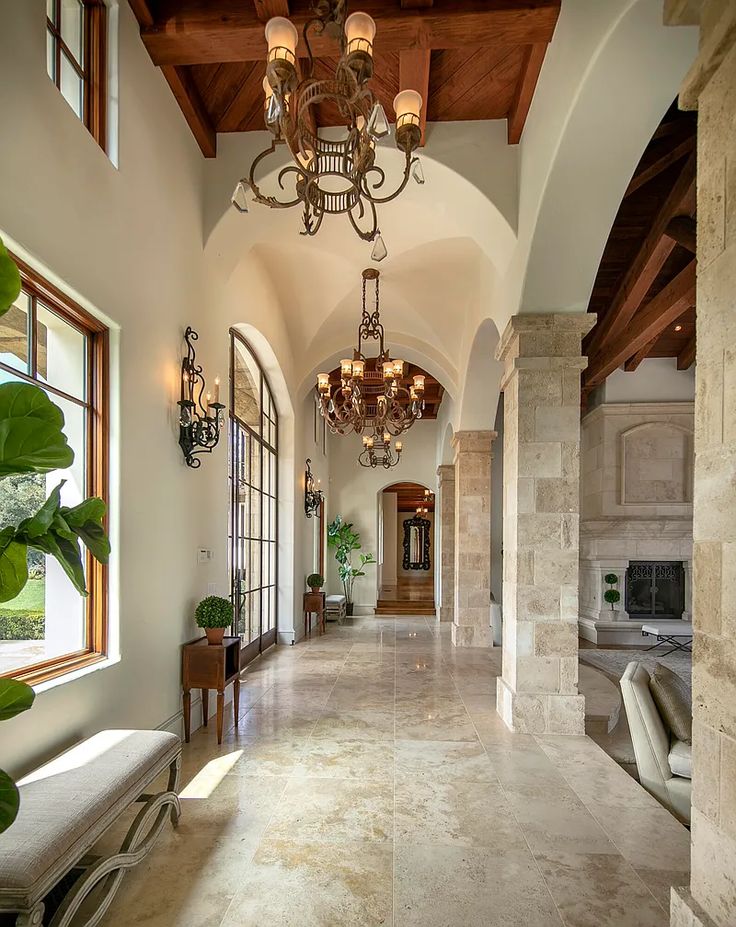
pixel 416 543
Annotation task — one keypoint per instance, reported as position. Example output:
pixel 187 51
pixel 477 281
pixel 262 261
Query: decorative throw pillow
pixel 672 697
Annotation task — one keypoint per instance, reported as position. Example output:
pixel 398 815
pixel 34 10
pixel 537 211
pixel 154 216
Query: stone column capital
pixel 554 337
pixel 446 473
pixel 717 38
pixel 473 442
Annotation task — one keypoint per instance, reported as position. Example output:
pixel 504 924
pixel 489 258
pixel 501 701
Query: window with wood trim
pixel 49 340
pixel 76 46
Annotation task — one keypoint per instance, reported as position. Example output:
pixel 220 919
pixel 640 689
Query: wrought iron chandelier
pixel 385 457
pixel 331 177
pixel 374 400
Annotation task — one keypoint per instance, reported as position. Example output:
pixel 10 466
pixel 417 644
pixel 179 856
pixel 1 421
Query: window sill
pixel 73 675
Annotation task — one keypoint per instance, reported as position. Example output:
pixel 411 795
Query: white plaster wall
pixel 388 530
pixel 656 379
pixel 127 243
pixel 354 494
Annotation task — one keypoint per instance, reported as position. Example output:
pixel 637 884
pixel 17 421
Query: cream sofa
pixel 664 764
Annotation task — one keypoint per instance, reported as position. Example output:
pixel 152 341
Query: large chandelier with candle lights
pixel 331 177
pixel 370 396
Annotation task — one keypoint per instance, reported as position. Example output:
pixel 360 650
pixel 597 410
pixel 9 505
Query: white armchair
pixel 656 756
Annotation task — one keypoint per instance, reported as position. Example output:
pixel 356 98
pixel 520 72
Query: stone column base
pixel 686 912
pixel 446 613
pixel 539 713
pixel 470 635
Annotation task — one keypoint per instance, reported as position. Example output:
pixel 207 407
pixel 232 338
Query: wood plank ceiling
pixel 470 59
pixel 410 496
pixel 433 389
pixel 644 292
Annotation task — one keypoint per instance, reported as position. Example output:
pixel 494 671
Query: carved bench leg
pixel 32 918
pixel 139 840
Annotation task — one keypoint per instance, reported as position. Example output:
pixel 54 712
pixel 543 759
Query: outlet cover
pixel 204 555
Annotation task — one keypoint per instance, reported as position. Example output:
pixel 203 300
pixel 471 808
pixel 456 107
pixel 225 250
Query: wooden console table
pixel 206 667
pixel 314 604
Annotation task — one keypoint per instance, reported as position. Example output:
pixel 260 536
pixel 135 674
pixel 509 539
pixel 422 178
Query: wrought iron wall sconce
pixel 200 413
pixel 313 496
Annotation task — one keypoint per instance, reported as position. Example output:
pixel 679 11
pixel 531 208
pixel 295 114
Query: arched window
pixel 252 531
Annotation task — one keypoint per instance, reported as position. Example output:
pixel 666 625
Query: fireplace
pixel 655 589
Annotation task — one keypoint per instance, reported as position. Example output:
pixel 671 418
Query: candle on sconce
pixel 369 443
pixel 217 389
pixel 399 447
pixel 207 404
pixel 386 438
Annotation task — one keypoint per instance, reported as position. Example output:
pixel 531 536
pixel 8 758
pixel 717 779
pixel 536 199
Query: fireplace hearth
pixel 655 589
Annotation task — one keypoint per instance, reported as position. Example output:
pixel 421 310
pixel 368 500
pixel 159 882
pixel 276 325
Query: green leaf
pixel 15 697
pixel 68 554
pixel 40 523
pixel 85 520
pixel 9 801
pixel 13 565
pixel 9 280
pixel 31 436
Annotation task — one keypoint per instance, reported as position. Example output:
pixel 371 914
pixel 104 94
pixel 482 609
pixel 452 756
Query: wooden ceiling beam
pixel 633 362
pixel 661 164
pixel 668 305
pixel 532 65
pixel 686 357
pixel 188 98
pixel 682 229
pixel 641 273
pixel 202 32
pixel 142 11
pixel 416 4
pixel 414 66
pixel 265 9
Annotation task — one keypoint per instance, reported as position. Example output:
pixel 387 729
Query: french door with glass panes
pixel 252 530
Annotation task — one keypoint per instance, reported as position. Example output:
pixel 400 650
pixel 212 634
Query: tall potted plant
pixel 345 541
pixel 32 441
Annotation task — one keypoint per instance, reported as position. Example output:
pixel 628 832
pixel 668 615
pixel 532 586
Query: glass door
pixel 253 474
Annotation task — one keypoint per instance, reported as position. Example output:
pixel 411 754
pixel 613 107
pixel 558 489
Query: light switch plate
pixel 204 555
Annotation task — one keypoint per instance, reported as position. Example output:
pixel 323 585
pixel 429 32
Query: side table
pixel 314 604
pixel 206 666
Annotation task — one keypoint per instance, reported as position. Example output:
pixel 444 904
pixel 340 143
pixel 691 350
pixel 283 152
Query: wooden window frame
pixel 97 461
pixel 93 71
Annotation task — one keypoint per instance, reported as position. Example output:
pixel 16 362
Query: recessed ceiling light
pixel 678 328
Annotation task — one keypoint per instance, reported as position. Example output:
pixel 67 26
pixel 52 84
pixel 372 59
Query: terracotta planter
pixel 214 636
pixel 316 589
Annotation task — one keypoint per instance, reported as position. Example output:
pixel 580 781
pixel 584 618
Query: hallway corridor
pixel 369 781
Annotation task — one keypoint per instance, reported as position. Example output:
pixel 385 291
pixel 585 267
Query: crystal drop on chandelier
pixel 274 110
pixel 378 126
pixel 418 172
pixel 239 199
pixel 379 251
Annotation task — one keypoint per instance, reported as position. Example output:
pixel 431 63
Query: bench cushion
pixel 68 804
pixel 335 600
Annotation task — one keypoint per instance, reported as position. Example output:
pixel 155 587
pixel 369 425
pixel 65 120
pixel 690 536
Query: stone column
pixel 538 691
pixel 471 625
pixel 710 88
pixel 445 518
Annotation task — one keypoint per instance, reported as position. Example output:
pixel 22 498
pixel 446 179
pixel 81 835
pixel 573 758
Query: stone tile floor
pixel 369 781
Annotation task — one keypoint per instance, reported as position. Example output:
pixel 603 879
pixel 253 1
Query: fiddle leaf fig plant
pixel 345 540
pixel 32 441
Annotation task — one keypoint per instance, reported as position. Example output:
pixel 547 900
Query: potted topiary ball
pixel 214 614
pixel 612 596
pixel 315 581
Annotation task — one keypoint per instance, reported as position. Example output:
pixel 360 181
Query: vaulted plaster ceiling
pixel 496 229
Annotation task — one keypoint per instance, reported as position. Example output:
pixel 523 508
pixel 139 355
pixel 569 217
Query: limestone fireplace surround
pixel 636 486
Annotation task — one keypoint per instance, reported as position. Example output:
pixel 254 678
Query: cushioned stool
pixel 335 608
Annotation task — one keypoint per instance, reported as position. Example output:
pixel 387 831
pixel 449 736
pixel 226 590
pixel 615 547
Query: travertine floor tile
pixel 369 782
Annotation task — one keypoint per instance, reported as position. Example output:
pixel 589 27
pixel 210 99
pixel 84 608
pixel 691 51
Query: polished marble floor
pixel 369 781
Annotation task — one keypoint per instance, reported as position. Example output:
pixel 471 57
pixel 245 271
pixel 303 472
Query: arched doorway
pixel 406 550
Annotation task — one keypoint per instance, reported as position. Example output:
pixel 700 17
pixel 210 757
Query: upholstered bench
pixel 68 804
pixel 335 608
